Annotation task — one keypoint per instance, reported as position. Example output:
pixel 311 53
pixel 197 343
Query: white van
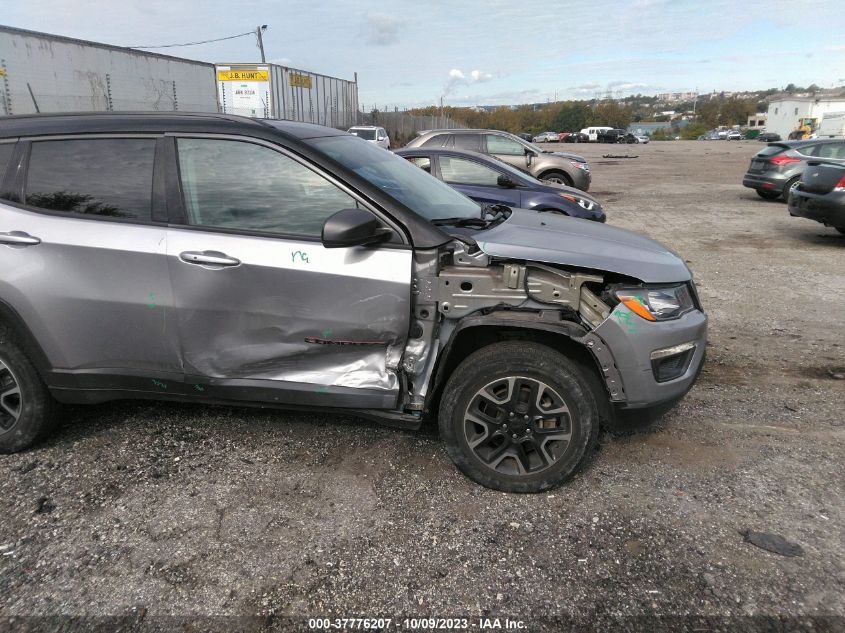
pixel 593 132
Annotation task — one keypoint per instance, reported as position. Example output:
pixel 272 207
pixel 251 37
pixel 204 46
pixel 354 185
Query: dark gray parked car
pixel 777 168
pixel 213 258
pixel 820 195
pixel 557 167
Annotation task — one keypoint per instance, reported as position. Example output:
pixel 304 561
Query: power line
pixel 219 39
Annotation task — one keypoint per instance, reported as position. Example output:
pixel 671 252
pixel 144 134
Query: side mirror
pixel 353 227
pixel 529 156
pixel 381 138
pixel 505 181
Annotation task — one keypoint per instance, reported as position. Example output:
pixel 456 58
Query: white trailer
pixel 832 125
pixel 49 73
pixel 278 92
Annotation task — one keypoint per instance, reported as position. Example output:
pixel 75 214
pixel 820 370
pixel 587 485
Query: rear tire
pixel 27 410
pixel 790 184
pixel 519 416
pixel 768 195
pixel 557 177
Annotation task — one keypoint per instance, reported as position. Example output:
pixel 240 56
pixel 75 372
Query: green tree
pixel 571 117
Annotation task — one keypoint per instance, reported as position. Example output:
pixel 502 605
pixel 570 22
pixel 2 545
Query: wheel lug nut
pixel 514 436
pixel 510 415
pixel 528 431
pixel 505 427
pixel 526 417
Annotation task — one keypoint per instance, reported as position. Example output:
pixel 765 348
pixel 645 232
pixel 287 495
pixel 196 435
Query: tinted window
pixel 369 135
pixel 423 162
pixel 831 150
pixel 6 150
pixel 771 150
pixel 105 177
pixel 237 185
pixel 470 142
pixel 808 150
pixel 503 145
pixel 436 140
pixel 466 172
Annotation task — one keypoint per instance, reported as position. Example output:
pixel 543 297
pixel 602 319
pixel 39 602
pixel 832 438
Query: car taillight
pixel 783 160
pixel 840 186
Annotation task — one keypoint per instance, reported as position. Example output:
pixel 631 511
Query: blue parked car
pixel 488 180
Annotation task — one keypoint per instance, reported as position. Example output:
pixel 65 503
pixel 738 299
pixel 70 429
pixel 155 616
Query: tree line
pixel 572 116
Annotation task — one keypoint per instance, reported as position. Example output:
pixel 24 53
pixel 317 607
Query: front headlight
pixel 657 304
pixel 589 205
pixel 580 165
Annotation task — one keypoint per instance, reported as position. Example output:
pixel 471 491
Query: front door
pixel 477 181
pixel 507 150
pixel 264 311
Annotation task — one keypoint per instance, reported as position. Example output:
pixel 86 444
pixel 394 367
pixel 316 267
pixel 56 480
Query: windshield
pixel 368 135
pixel 401 180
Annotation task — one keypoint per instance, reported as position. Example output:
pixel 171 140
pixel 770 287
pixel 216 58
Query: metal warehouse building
pixel 50 73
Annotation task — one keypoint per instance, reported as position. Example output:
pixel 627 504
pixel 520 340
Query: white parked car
pixel 546 137
pixel 371 133
pixel 642 138
pixel 734 135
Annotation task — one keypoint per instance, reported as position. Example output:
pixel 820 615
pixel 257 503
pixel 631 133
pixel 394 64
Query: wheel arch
pixel 474 332
pixel 12 324
pixel 557 170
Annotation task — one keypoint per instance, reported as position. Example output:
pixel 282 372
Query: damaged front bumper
pixel 653 362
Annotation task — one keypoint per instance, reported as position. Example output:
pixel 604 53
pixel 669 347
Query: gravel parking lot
pixel 152 509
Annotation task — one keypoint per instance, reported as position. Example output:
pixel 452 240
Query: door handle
pixel 208 258
pixel 18 238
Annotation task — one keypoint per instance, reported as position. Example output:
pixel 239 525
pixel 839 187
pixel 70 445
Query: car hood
pixel 568 155
pixel 557 239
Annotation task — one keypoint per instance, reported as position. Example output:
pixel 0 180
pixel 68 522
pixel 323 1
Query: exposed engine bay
pixel 460 280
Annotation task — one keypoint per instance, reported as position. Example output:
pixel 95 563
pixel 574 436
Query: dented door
pixel 308 324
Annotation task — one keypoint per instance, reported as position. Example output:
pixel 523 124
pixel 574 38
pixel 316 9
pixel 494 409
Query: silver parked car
pixel 555 167
pixel 371 133
pixel 212 258
pixel 546 137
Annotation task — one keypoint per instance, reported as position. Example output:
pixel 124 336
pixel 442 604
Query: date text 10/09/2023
pixel 416 624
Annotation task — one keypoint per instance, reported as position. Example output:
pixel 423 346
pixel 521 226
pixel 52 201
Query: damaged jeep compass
pixel 213 258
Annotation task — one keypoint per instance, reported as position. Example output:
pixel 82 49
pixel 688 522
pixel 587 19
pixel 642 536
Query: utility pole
pixel 258 31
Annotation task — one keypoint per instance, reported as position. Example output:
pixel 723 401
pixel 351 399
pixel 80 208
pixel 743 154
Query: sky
pixel 484 52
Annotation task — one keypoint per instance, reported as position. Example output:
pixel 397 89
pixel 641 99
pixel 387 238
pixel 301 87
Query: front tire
pixel 27 410
pixel 557 178
pixel 519 417
pixel 768 195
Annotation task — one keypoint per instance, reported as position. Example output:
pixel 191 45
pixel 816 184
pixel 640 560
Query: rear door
pixel 264 311
pixel 507 150
pixel 477 181
pixel 84 250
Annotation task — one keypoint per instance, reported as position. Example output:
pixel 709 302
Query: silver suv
pixel 212 258
pixel 555 167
